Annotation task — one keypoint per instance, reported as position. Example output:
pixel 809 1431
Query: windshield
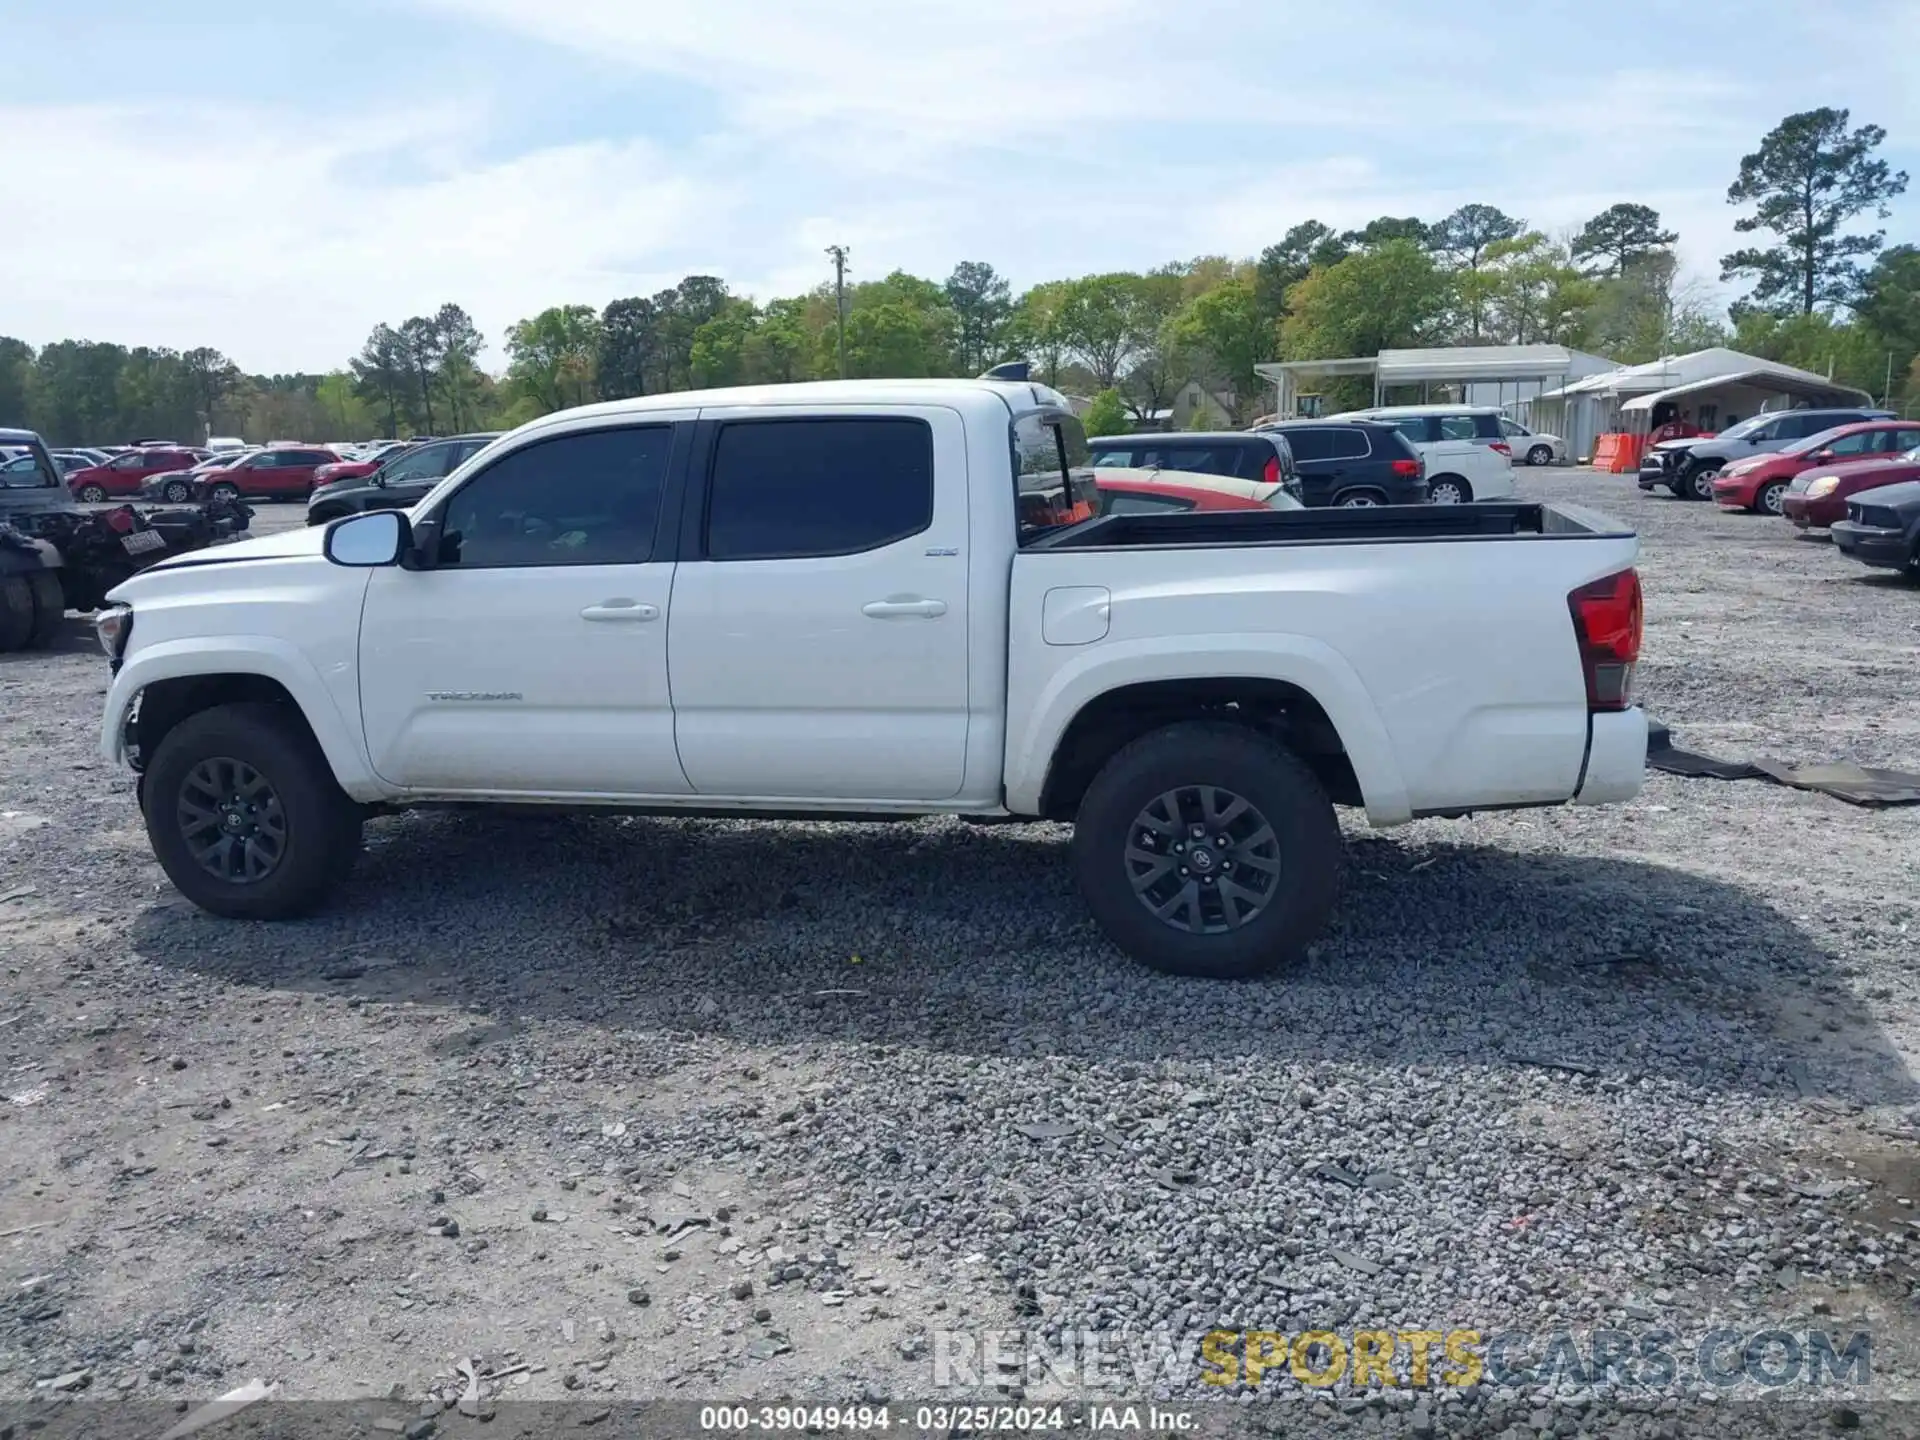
pixel 32 471
pixel 1053 485
pixel 1745 427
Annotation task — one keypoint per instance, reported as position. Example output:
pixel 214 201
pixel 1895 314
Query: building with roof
pixel 1498 375
pixel 1715 387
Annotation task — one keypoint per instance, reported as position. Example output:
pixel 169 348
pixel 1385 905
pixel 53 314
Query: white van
pixel 1467 452
pixel 220 444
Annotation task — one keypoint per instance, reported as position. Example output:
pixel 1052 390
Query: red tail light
pixel 1608 624
pixel 1272 473
pixel 1406 467
pixel 1502 446
pixel 120 521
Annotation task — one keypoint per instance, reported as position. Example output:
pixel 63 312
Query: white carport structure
pixel 1718 385
pixel 1498 375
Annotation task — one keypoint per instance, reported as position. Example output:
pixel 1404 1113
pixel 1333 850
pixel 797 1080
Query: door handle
pixel 896 609
pixel 620 610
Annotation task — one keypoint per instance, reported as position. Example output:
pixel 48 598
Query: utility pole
pixel 839 254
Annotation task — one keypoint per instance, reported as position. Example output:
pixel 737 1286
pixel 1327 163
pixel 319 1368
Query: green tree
pixel 1465 237
pixel 1890 306
pixel 1809 179
pixel 981 301
pixel 1227 335
pixel 720 346
pixel 1102 322
pixel 1107 415
pixel 1034 331
pixel 1537 294
pixel 629 346
pixel 16 366
pixel 458 375
pixel 551 356
pixel 1620 235
pixel 380 374
pixel 348 416
pixel 212 378
pixel 1815 342
pixel 1381 299
pixel 1284 265
pixel 420 340
pixel 1388 227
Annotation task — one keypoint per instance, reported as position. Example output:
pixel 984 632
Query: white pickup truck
pixel 873 600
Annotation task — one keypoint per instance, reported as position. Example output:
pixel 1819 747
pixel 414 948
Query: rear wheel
pixel 1207 849
pixel 92 494
pixel 1448 490
pixel 178 491
pixel 1768 501
pixel 16 612
pixel 245 816
pixel 49 606
pixel 1698 484
pixel 1359 500
pixel 225 491
pixel 1540 455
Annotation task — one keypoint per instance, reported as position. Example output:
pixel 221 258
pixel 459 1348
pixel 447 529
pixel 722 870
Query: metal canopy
pixel 1769 379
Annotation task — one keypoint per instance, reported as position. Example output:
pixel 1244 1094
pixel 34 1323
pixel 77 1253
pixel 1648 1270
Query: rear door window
pixel 1417 429
pixel 1203 459
pixel 783 489
pixel 1348 444
pixel 1858 443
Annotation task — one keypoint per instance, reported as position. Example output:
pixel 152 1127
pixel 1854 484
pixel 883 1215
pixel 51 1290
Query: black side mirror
pixel 369 540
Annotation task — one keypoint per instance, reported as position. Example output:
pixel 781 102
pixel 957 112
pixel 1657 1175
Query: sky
pixel 274 179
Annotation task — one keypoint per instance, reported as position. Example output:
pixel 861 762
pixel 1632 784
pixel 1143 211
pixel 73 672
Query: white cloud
pixel 1054 139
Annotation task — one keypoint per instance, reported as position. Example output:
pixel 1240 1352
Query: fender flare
pixel 1298 660
pixel 273 659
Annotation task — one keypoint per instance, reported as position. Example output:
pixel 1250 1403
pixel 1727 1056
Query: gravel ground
pixel 700 1109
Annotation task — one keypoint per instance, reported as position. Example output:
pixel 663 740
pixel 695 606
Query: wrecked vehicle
pixel 56 555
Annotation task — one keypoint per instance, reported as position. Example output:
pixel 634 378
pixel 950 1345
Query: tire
pixel 1540 455
pixel 323 517
pixel 1768 501
pixel 1698 484
pixel 1359 500
pixel 224 491
pixel 1448 490
pixel 16 612
pixel 178 492
pixel 49 606
pixel 318 831
pixel 92 494
pixel 1279 789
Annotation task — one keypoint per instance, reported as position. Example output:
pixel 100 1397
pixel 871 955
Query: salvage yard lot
pixel 1592 1066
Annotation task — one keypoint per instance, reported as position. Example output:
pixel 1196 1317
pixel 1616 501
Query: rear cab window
pixel 1052 480
pixel 790 489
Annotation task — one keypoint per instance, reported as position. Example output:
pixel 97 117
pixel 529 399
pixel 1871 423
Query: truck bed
pixel 1482 520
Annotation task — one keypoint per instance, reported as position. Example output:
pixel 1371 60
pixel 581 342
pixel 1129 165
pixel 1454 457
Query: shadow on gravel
pixel 74 637
pixel 974 941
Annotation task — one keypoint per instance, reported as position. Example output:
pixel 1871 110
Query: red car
pixel 281 472
pixel 1160 492
pixel 358 469
pixel 1762 482
pixel 125 474
pixel 1818 495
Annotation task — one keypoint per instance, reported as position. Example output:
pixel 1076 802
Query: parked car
pixel 402 480
pixel 1762 482
pixel 1687 467
pixel 1466 452
pixel 1533 447
pixel 1243 454
pixel 226 444
pixel 1354 464
pixel 589 611
pixel 126 473
pixel 1169 492
pixel 273 474
pixel 68 461
pixel 178 486
pixel 1819 496
pixel 93 453
pixel 354 465
pixel 1883 528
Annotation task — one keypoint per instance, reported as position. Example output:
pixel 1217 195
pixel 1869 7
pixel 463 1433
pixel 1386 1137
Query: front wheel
pixel 224 491
pixel 1771 498
pixel 1699 482
pixel 1540 455
pixel 1206 849
pixel 245 816
pixel 178 492
pixel 92 494
pixel 1448 490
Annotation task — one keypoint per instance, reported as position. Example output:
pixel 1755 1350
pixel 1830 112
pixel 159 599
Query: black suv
pixel 1353 463
pixel 1256 456
pixel 401 482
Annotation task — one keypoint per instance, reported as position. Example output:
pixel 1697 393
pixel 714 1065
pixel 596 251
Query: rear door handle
pixel 630 610
pixel 895 609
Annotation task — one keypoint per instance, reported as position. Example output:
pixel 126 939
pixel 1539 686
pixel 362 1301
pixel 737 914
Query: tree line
pixel 1824 294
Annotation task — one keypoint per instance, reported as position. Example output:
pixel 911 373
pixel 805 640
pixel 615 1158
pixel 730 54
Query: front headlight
pixel 1823 485
pixel 113 625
